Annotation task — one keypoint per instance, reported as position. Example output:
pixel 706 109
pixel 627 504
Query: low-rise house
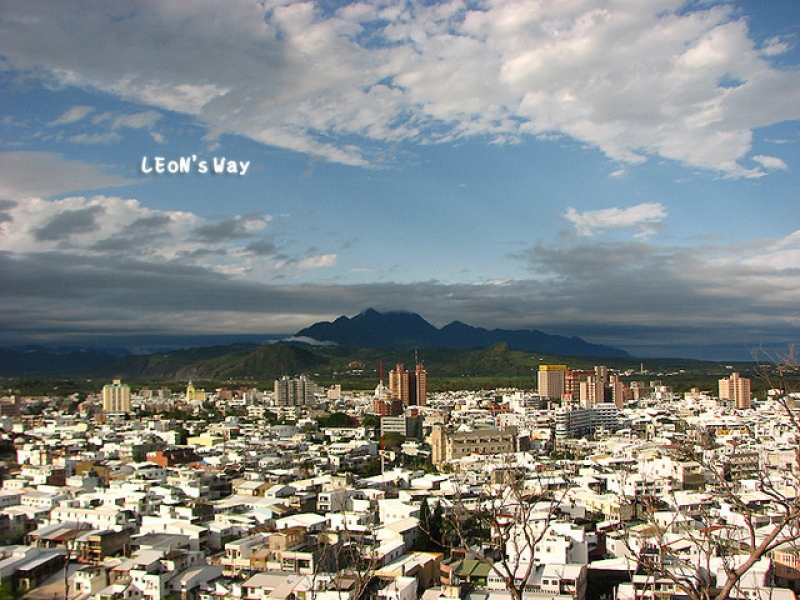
pixel 25 567
pixel 197 534
pixel 94 547
pixel 238 553
pixel 404 530
pixel 401 588
pixel 192 581
pixel 101 517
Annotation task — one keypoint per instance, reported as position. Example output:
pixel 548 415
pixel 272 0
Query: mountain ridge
pixel 404 330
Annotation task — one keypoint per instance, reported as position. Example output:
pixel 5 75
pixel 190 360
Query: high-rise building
pixel 399 384
pixel 593 391
pixel 296 391
pixel 420 385
pixel 736 389
pixel 618 391
pixel 572 382
pixel 552 380
pixel 410 387
pixel 116 398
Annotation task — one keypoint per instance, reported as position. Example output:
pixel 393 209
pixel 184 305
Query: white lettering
pixel 185 164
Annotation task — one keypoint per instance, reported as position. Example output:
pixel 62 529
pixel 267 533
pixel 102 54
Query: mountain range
pixel 405 330
pixel 370 337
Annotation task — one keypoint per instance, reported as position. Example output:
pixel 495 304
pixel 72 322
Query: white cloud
pixel 81 226
pixel 645 218
pixel 634 79
pixel 770 163
pixel 317 261
pixel 774 46
pixel 783 254
pixel 73 115
pixel 109 137
pixel 141 120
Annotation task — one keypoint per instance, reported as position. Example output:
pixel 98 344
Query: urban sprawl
pixel 595 484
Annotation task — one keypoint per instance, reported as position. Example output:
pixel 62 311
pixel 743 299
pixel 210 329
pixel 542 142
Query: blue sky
pixel 619 170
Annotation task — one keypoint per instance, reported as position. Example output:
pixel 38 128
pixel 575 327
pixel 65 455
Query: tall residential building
pixel 736 389
pixel 572 383
pixel 410 387
pixel 593 391
pixel 618 391
pixel 116 398
pixel 296 391
pixel 552 380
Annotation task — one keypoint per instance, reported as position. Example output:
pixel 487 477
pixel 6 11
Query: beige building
pixel 452 445
pixel 593 391
pixel 117 397
pixel 296 391
pixel 552 380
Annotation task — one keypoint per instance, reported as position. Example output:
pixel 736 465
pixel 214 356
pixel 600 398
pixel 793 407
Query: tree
pixel 350 561
pixel 501 524
pixel 745 521
pixel 430 526
pixel 423 541
pixel 370 420
pixel 339 419
pixel 7 591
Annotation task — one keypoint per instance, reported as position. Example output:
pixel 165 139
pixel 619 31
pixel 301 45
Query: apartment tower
pixel 736 389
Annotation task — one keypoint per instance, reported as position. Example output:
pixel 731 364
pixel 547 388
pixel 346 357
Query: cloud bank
pixel 81 268
pixel 633 79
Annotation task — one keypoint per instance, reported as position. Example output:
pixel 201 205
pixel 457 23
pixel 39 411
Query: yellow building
pixel 192 394
pixel 117 398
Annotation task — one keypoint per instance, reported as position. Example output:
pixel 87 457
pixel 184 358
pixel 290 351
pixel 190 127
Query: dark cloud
pixel 59 297
pixel 262 247
pixel 137 236
pixel 222 231
pixel 119 244
pixel 149 223
pixel 68 223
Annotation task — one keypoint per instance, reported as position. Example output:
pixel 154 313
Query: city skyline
pixel 625 172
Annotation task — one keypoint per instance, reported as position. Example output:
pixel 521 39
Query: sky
pixel 621 170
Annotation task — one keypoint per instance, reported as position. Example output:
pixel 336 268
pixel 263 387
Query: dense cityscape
pixel 595 484
pixel 399 300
